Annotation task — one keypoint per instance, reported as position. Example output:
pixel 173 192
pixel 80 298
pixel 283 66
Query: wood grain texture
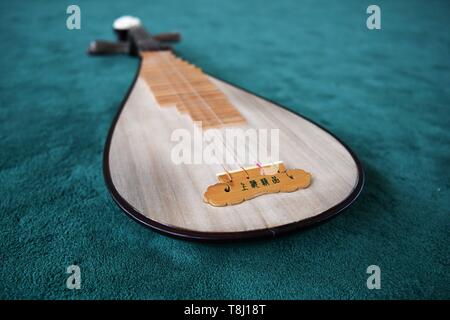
pixel 172 195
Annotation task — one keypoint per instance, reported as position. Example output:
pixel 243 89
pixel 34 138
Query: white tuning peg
pixel 126 23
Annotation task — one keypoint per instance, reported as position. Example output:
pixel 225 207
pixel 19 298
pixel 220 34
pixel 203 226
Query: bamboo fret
pixel 175 82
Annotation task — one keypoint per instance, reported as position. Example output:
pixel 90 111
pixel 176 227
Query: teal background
pixel 385 93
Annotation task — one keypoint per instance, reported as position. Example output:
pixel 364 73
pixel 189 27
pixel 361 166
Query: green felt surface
pixel 386 93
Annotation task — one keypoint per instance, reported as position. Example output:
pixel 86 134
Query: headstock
pixel 132 39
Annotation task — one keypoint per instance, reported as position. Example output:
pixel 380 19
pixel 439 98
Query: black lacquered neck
pixel 141 40
pixel 133 40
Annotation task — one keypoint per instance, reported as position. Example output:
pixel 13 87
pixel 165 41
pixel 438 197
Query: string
pixel 211 110
pixel 204 102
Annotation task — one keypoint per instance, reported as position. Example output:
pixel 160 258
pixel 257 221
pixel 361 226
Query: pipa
pixel 198 158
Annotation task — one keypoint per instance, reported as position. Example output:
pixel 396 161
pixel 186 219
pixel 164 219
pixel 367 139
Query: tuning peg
pixel 123 24
pixel 168 37
pixel 108 47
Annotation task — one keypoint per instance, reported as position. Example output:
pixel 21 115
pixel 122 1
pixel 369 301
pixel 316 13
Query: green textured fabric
pixel 386 93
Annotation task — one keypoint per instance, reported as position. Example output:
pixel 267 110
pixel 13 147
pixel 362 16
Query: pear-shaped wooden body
pixel 168 197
